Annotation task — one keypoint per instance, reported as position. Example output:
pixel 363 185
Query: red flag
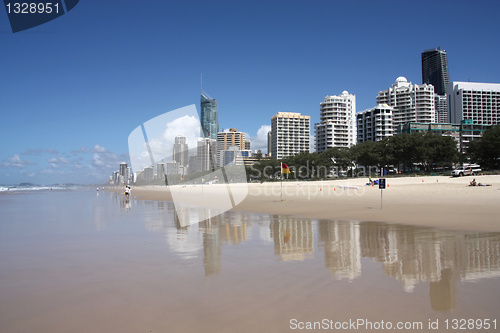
pixel 284 168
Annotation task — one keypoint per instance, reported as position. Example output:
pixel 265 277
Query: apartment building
pixel 290 134
pixel 411 102
pixel 337 126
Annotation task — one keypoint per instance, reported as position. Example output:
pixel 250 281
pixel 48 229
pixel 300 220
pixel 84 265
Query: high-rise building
pixel 375 124
pixel 206 154
pixel 160 171
pixel 172 168
pixel 209 117
pixel 290 134
pixel 441 105
pixel 479 102
pixel 411 102
pixel 248 145
pixel 435 70
pixel 181 151
pixel 337 127
pixel 125 172
pixel 231 138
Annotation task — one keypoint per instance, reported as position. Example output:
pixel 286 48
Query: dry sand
pixel 438 201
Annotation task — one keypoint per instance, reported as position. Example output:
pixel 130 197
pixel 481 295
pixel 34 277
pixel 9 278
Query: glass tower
pixel 435 70
pixel 209 117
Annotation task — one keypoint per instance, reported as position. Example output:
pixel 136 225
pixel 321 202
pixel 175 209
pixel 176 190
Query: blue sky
pixel 74 88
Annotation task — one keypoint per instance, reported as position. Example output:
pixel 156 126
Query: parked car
pixel 466 170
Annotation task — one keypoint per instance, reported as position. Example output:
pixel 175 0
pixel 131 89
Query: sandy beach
pixel 437 201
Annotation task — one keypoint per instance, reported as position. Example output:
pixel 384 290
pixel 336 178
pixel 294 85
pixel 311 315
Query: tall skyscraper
pixel 435 70
pixel 337 127
pixel 209 116
pixel 290 134
pixel 411 102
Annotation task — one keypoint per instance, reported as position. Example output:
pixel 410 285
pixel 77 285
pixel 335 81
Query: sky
pixel 73 89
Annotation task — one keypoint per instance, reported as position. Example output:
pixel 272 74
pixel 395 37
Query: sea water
pixel 94 261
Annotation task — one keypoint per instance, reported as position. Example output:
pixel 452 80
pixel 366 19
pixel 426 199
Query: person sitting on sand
pixel 473 182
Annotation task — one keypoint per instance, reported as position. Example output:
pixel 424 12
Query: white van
pixel 466 170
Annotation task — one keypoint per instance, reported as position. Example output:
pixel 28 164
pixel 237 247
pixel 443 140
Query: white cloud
pixel 106 160
pixel 58 160
pixel 98 149
pixel 260 140
pixel 17 162
pixel 161 132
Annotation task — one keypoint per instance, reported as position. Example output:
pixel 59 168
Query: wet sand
pixel 440 201
pixel 99 262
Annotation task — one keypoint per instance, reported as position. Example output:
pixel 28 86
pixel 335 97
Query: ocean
pixel 80 260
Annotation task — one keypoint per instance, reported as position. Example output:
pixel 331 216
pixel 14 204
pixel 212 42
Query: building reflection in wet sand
pixel 408 254
pixel 412 255
pixel 293 238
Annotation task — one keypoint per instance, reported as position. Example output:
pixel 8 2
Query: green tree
pixel 487 150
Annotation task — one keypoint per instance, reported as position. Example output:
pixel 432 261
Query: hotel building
pixel 411 102
pixel 337 127
pixel 290 134
pixel 479 102
pixel 375 124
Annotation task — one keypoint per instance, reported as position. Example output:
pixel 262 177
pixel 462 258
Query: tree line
pixel 422 152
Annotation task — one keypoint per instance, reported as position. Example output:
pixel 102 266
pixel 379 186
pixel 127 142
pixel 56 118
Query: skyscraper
pixel 209 117
pixel 290 134
pixel 337 127
pixel 435 70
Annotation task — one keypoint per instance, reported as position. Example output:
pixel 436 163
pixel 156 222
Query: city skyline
pixel 68 108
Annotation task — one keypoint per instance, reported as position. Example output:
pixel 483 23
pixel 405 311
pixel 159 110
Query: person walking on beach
pixel 128 190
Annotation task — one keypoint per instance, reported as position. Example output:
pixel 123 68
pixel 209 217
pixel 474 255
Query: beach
pixel 436 201
pixel 95 261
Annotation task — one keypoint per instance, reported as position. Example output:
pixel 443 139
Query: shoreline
pixel 430 201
